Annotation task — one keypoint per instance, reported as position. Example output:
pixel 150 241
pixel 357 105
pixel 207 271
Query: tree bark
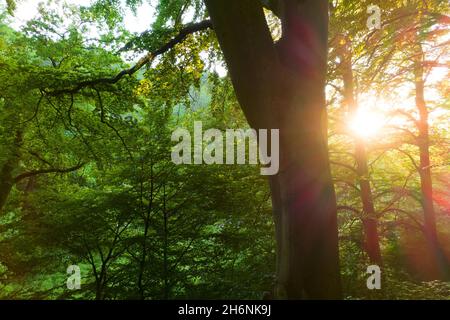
pixel 281 86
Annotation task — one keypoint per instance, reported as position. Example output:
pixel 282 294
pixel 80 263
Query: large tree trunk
pixel 282 87
pixel 369 219
pixel 426 183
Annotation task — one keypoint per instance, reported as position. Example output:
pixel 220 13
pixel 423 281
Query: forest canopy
pixel 349 102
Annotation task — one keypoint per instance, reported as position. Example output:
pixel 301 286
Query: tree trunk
pixel 304 206
pixel 146 217
pixel 6 183
pixel 282 87
pixel 426 184
pixel 369 220
pixel 99 290
pixel 165 248
pixel 6 177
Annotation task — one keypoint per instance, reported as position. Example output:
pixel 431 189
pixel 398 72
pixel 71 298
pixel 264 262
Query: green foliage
pixel 140 227
pixel 11 6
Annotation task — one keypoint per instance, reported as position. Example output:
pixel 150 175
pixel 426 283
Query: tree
pixel 282 86
pixel 22 158
pixel 425 29
pixel 139 226
pixel 369 218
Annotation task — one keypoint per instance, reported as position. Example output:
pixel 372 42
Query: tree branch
pixel 349 208
pixel 272 5
pixel 249 51
pixel 147 58
pixel 414 163
pixel 28 174
pixel 344 165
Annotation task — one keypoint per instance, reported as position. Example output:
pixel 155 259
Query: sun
pixel 367 123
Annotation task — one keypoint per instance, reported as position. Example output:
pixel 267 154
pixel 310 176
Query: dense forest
pixel 359 92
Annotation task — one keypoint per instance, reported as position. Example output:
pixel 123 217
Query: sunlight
pixel 376 114
pixel 367 123
pixel 370 118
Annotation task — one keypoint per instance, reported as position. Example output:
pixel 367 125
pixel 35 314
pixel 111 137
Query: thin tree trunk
pixel 98 291
pixel 282 87
pixel 6 173
pixel 369 220
pixel 143 261
pixel 98 281
pixel 426 184
pixel 6 182
pixel 166 247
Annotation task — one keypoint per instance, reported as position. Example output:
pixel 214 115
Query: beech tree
pixel 281 86
pixel 88 108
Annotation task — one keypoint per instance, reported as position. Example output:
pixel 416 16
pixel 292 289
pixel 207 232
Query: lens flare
pixel 366 123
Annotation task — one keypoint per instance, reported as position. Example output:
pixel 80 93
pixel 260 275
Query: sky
pixel 138 23
pixel 141 21
pixel 27 9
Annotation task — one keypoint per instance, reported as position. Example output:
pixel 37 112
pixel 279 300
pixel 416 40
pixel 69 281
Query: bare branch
pixel 147 58
pixel 28 174
pixel 344 165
